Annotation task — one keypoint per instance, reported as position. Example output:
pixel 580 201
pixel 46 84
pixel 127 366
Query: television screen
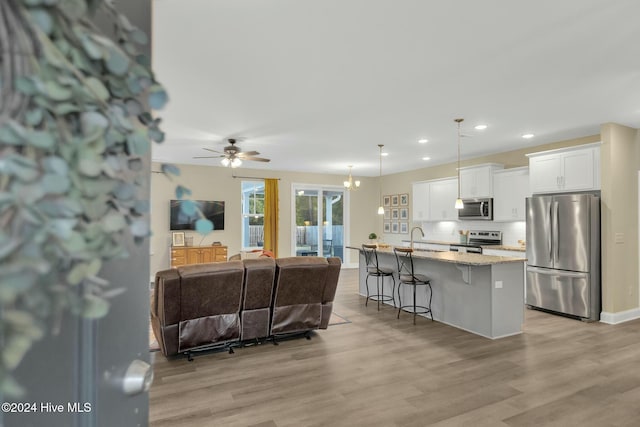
pixel 212 210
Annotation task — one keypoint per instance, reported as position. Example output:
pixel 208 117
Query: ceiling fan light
pixel 225 162
pixel 347 184
pixel 236 162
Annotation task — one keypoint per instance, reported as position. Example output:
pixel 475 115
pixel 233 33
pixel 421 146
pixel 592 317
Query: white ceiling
pixel 317 85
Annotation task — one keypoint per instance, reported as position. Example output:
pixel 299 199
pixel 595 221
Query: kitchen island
pixel 482 294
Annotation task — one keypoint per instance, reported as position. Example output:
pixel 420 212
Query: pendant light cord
pixel 380 175
pixel 458 121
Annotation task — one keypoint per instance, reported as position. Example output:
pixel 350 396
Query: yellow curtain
pixel 271 215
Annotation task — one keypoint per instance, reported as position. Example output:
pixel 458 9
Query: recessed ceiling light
pixel 528 135
pixel 423 141
pixel 426 158
pixel 384 154
pixel 481 127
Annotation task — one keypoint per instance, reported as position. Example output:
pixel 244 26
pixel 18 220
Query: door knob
pixel 138 378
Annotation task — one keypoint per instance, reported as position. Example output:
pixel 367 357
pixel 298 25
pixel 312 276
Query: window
pixel 252 215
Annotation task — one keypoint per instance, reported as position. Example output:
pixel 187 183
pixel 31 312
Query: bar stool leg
pixel 399 300
pixel 430 296
pixel 378 288
pixel 414 304
pixel 366 281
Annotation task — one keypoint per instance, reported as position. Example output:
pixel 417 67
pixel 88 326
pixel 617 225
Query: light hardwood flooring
pixel 380 371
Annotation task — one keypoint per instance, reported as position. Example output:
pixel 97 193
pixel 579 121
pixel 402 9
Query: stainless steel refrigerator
pixel 563 254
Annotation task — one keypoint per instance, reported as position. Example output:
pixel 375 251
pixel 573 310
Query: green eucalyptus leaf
pixel 188 207
pixel 138 144
pixel 134 107
pixel 62 227
pixel 89 163
pixel 139 227
pixel 95 307
pixel 142 206
pixel 55 184
pixel 65 108
pixel 7 248
pixel 182 191
pixel 172 170
pixel 33 117
pixel 139 36
pixel 133 84
pixel 56 92
pixel 26 85
pixel 12 133
pixel 157 97
pixel 23 168
pixel 97 89
pixel 55 164
pixel 40 139
pixel 10 387
pixel 125 191
pixel 77 273
pixel 42 19
pixel 14 350
pixel 204 226
pixel 92 119
pixel 92 49
pixel 73 9
pixel 114 221
pixel 116 61
pixel 75 243
pixel 156 134
pixel 94 267
pixel 135 165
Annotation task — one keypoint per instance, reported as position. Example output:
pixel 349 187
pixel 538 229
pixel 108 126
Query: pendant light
pixel 380 208
pixel 459 204
pixel 350 184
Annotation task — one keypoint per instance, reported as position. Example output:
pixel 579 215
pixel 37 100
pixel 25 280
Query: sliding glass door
pixel 319 221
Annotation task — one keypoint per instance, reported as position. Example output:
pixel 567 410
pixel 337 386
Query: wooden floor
pixel 379 371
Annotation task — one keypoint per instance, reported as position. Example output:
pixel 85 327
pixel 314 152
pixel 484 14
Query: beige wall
pixel 217 183
pixel 619 175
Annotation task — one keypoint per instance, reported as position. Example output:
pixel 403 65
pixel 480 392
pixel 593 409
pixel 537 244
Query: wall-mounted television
pixel 212 210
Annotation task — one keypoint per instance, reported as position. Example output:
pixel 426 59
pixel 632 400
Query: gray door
pixel 539 243
pixel 571 232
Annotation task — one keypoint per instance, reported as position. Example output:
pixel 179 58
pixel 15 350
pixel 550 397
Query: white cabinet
pixel 510 189
pixel 442 199
pixel 420 199
pixel 477 181
pixel 504 252
pixel 564 170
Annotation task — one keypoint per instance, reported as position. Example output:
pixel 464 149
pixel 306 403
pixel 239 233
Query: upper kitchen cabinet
pixel 510 189
pixel 477 181
pixel 442 199
pixel 420 199
pixel 565 170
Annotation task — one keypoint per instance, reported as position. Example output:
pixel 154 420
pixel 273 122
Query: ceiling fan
pixel 232 156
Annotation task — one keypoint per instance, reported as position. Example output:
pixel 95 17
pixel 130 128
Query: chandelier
pixel 459 203
pixel 350 184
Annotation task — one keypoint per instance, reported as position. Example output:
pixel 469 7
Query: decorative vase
pixel 463 238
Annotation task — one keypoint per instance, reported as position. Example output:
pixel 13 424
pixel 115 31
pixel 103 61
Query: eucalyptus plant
pixel 76 124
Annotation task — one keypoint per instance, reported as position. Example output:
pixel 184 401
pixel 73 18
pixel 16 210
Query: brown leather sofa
pixel 223 304
pixel 197 306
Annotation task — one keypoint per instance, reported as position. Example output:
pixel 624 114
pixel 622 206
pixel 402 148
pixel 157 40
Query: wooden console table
pixel 197 255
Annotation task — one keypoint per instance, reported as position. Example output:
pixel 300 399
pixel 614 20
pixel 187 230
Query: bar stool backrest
pixel 371 256
pixel 404 259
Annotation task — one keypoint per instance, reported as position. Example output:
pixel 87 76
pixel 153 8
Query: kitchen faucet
pixel 416 228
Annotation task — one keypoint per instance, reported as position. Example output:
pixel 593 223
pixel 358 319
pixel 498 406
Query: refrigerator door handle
pixel 555 230
pixel 550 240
pixel 550 272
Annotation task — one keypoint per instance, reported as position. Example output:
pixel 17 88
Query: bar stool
pixel 407 276
pixel 373 269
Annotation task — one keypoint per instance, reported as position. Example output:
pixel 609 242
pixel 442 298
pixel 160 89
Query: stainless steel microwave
pixel 476 209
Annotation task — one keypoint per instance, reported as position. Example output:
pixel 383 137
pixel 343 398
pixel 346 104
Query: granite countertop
pixel 454 257
pixel 498 247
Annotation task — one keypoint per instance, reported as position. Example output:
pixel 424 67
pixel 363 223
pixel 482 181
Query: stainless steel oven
pixel 477 209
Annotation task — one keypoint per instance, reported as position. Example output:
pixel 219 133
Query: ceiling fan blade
pixel 247 153
pixel 256 159
pixel 213 151
pixel 208 157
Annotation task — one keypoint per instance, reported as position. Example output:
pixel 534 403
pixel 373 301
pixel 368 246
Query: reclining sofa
pixel 225 304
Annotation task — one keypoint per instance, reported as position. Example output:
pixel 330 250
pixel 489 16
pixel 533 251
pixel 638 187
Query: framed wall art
pixel 404 227
pixel 394 200
pixel 386 200
pixel 404 213
pixel 404 199
pixel 394 227
pixel 387 227
pixel 177 238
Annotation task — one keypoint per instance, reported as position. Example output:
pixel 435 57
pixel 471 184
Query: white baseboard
pixel 619 317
